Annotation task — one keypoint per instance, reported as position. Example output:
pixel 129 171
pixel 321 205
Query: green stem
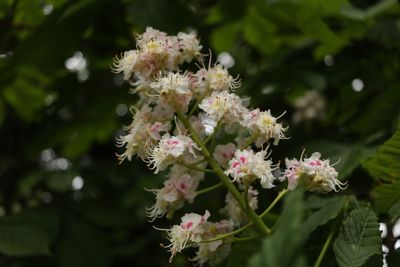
pixel 212 136
pixel 194 108
pixel 193 167
pixel 278 197
pixel 208 189
pixel 251 139
pixel 324 249
pixel 209 138
pixel 198 162
pixel 223 236
pixel 246 195
pixel 247 238
pixel 258 222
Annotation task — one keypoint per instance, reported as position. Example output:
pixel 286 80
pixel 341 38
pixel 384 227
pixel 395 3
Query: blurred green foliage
pixel 64 201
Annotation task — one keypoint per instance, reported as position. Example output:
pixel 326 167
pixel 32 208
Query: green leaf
pixel 27 94
pixel 23 240
pixel 259 30
pixel 81 244
pixel 329 211
pixel 283 246
pixel 225 37
pixel 381 109
pixel 29 233
pixel 394 211
pixel 60 182
pixel 385 163
pixel 359 239
pixel 241 252
pixel 106 216
pixel 163 15
pixel 386 196
pixel 76 7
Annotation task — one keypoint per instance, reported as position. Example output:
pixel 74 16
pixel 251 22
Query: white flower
pixel 156 52
pixel 198 82
pixel 313 173
pixel 216 251
pixel 173 91
pixel 197 126
pixel 234 211
pixel 156 128
pixel 190 46
pixel 239 165
pixel 148 35
pixel 134 143
pixel 309 106
pixel 177 190
pixel 152 41
pixel 292 172
pixel 219 79
pixel 173 54
pixel 155 47
pixel 172 83
pixel 141 133
pixel 246 166
pixel 125 64
pixel 262 169
pixel 224 153
pixel 208 123
pixel 222 106
pixel 187 233
pixel 168 150
pixel 265 124
pixel 324 175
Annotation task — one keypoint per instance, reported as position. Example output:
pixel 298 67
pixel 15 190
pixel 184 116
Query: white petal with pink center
pixel 168 150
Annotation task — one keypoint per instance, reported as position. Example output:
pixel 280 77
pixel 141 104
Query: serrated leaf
pixel 385 163
pixel 386 196
pixel 329 211
pixel 27 94
pixel 23 240
pixel 359 238
pixel 282 247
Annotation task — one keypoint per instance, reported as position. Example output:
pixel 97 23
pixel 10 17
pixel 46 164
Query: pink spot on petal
pixel 235 164
pixel 187 225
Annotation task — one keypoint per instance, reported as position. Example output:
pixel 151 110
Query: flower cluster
pixel 190 126
pixel 170 149
pixel 179 188
pixel 313 173
pixel 246 166
pixel 195 230
pixel 309 106
pixel 157 51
